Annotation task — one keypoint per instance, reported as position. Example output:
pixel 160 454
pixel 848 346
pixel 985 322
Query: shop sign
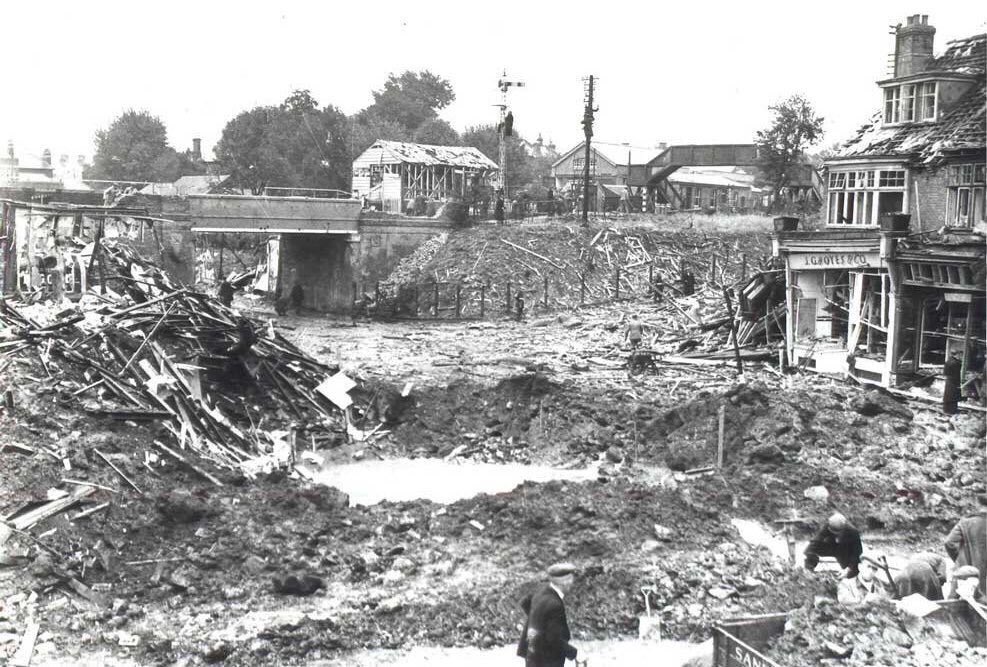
pixel 833 260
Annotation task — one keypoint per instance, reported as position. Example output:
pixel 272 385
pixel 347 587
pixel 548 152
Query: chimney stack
pixel 197 149
pixel 46 158
pixel 913 45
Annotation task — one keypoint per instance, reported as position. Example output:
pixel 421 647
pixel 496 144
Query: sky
pixel 678 72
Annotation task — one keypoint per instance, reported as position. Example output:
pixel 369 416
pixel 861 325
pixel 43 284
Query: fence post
pixel 483 291
pixel 616 285
pixel 353 305
pixel 712 274
pixel 459 288
pixel 435 298
pixel 377 295
pixel 508 306
pixel 582 289
pixel 743 267
pixel 545 296
pixel 418 297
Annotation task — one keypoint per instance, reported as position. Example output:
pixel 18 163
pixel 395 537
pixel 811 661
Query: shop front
pixel 841 300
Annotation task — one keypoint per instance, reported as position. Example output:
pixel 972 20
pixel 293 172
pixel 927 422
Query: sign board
pixel 958 297
pixel 833 260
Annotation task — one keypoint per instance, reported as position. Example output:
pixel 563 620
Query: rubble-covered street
pixel 167 551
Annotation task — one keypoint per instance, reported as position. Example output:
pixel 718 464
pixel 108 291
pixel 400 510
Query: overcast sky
pixel 680 72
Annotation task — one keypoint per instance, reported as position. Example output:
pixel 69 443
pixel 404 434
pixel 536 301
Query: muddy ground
pixel 283 571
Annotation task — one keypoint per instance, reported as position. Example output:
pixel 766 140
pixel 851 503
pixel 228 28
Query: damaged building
pixel 895 283
pixel 400 177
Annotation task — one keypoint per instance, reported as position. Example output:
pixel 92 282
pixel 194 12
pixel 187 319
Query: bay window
pixel 860 197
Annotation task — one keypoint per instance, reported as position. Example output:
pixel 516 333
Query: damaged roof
pixel 452 156
pixel 960 128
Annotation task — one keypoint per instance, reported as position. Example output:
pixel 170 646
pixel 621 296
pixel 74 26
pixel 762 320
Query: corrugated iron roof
pixel 453 156
pixel 962 127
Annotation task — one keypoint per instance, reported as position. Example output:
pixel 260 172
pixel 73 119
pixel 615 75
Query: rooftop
pixel 455 156
pixel 961 127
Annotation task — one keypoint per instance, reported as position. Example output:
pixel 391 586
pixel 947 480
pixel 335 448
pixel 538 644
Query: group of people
pixel 959 573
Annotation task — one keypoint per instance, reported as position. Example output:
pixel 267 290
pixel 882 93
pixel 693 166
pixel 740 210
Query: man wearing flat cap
pixel 545 639
pixel 966 543
pixel 837 539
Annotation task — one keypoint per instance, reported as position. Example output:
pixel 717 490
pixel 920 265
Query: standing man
pixel 499 208
pixel 226 293
pixel 951 394
pixel 634 332
pixel 519 306
pixel 837 539
pixel 545 640
pixel 966 543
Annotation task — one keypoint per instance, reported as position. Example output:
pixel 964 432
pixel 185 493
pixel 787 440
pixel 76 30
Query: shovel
pixel 649 627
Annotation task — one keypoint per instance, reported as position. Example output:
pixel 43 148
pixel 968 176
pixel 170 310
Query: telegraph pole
pixel 588 132
pixel 504 128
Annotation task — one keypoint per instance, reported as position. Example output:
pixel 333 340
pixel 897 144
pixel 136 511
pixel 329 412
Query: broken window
pixel 854 199
pixel 868 336
pixel 836 288
pixel 965 202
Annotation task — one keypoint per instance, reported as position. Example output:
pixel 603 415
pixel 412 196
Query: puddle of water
pixel 757 535
pixel 370 482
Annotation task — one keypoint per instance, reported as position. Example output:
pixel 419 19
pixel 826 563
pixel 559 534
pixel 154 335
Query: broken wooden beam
pixel 118 471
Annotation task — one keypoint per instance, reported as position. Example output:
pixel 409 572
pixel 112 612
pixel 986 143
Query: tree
pixel 523 170
pixel 794 128
pixel 412 98
pixel 364 128
pixel 134 148
pixel 295 144
pixel 437 132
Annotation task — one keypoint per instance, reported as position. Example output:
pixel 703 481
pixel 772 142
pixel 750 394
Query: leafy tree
pixel 794 128
pixel 295 144
pixel 523 170
pixel 134 148
pixel 437 132
pixel 412 98
pixel 364 128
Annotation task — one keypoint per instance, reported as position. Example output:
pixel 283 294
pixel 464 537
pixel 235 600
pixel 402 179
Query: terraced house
pixel 894 284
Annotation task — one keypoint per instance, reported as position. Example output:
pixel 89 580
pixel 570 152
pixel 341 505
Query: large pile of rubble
pixel 871 635
pixel 144 348
pixel 581 265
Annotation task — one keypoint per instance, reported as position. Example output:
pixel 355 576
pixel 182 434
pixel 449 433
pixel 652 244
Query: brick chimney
pixel 46 158
pixel 913 45
pixel 197 149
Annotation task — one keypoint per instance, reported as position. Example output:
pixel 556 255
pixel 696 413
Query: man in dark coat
pixel 952 370
pixel 226 293
pixel 966 543
pixel 545 639
pixel 837 539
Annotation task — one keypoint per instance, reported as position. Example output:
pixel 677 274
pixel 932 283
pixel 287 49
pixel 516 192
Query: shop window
pixel 836 288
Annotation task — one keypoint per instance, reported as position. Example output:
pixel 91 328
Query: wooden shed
pixel 395 174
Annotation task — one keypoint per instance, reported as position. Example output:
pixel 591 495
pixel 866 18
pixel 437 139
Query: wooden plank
pixel 49 509
pixel 26 650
